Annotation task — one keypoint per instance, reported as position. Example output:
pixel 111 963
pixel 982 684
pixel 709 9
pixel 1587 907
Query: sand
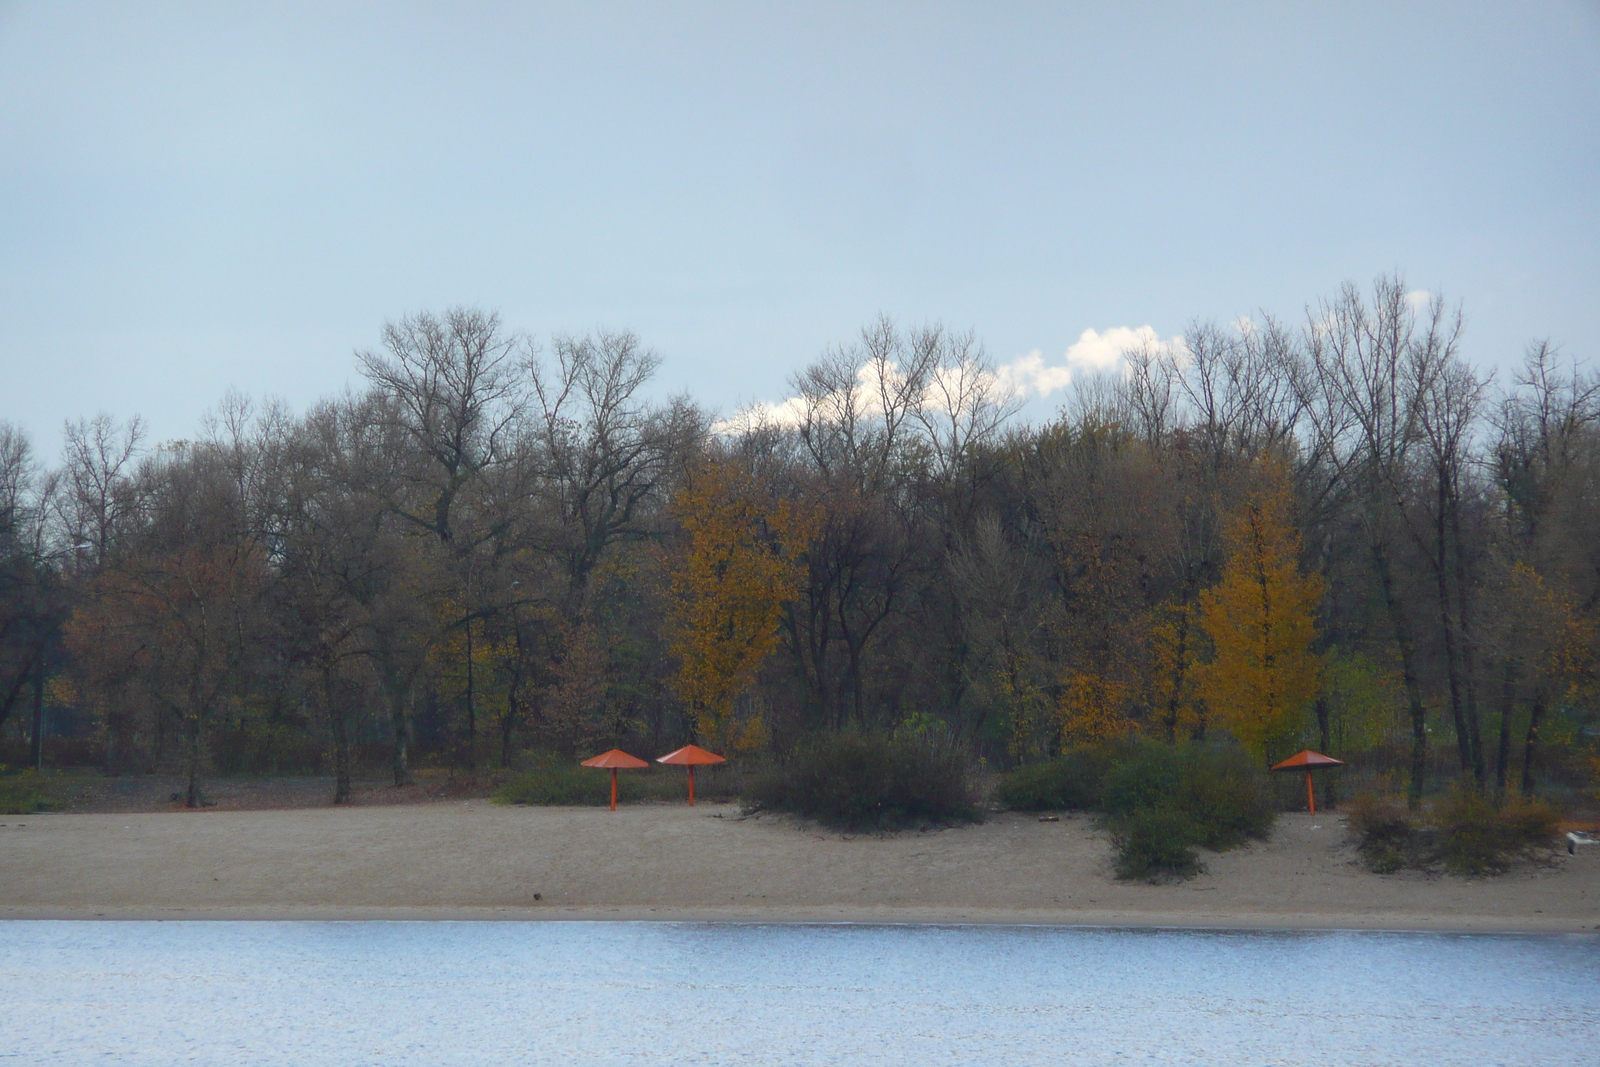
pixel 476 860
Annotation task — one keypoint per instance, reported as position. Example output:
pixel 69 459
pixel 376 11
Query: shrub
pixel 1073 781
pixel 1465 832
pixel 1146 776
pixel 1161 800
pixel 1474 837
pixel 869 781
pixel 1385 836
pixel 551 782
pixel 23 793
pixel 1155 845
pixel 1226 796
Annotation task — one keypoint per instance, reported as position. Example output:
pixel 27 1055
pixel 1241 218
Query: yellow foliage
pixel 1029 705
pixel 1259 618
pixel 740 563
pixel 1092 708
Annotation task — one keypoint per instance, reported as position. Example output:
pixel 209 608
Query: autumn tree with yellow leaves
pixel 1259 618
pixel 741 561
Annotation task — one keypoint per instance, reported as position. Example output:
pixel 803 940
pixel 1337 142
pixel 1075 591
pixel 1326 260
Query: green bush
pixel 551 782
pixel 1475 837
pixel 1465 833
pixel 1155 845
pixel 1073 781
pixel 1226 796
pixel 869 781
pixel 1148 775
pixel 23 793
pixel 1161 800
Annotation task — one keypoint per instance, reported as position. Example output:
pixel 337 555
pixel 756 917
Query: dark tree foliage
pixel 469 561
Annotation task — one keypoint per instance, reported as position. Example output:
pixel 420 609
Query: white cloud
pixel 1419 299
pixel 1094 352
pixel 786 415
pixel 1029 376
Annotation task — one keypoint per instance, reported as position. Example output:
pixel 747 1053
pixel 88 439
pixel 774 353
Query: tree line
pixel 1337 533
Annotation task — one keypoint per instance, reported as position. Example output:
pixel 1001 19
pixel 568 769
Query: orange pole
pixel 613 789
pixel 691 785
pixel 1311 794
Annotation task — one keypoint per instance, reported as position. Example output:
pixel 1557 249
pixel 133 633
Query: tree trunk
pixel 1468 654
pixel 339 721
pixel 1180 670
pixel 1408 673
pixel 1330 790
pixel 192 799
pixel 402 736
pixel 17 686
pixel 472 710
pixel 1531 744
pixel 1447 630
pixel 1503 751
pixel 38 713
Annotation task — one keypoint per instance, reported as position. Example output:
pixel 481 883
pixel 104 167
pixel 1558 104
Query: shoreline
pixel 940 917
pixel 468 860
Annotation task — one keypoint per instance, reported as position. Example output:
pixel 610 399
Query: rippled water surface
pixel 311 993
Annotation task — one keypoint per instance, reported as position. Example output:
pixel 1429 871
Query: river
pixel 485 994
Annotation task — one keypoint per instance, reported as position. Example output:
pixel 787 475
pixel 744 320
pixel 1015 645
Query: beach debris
pixel 614 759
pixel 1049 818
pixel 1310 761
pixel 1580 837
pixel 691 756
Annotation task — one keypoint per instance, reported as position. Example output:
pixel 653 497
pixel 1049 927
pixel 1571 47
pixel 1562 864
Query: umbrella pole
pixel 1311 794
pixel 613 789
pixel 691 785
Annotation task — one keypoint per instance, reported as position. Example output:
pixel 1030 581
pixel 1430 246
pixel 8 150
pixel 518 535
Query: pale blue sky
pixel 194 198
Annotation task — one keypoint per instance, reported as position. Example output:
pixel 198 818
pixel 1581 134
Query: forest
pixel 1335 533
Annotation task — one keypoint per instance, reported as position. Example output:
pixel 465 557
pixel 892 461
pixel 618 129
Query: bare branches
pixel 97 497
pixel 601 449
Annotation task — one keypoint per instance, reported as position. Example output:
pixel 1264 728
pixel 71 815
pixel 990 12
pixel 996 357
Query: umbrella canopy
pixel 612 760
pixel 1308 761
pixel 1307 758
pixel 691 756
pixel 615 758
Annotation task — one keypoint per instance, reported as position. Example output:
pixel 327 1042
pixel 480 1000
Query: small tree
pixel 1259 620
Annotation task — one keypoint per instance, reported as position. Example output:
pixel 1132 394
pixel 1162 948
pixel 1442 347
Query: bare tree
pixel 603 451
pixel 97 496
pixel 1449 405
pixel 1375 366
pixel 457 395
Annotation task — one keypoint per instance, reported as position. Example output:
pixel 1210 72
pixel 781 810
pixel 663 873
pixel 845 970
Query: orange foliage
pixel 1259 618
pixel 739 565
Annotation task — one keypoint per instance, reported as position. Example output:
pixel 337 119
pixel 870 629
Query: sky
pixel 198 198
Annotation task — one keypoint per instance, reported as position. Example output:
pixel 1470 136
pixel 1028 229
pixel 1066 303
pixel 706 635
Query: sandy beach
pixel 475 860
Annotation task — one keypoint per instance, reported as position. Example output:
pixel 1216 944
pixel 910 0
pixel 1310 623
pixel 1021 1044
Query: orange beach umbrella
pixel 614 759
pixel 691 756
pixel 1310 761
